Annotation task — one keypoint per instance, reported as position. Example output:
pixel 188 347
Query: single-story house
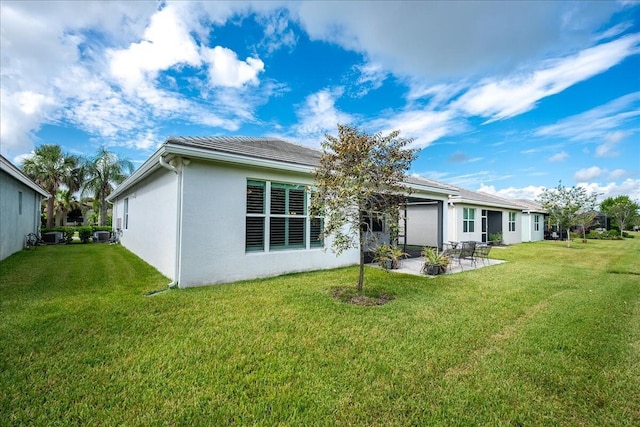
pixel 20 201
pixel 221 209
pixel 476 216
pixel 533 220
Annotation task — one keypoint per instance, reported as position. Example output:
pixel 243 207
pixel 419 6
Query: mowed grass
pixel 552 337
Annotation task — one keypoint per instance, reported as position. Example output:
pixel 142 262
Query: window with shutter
pixel 277 214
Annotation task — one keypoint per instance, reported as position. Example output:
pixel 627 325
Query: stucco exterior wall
pixel 213 233
pixel 529 234
pixel 151 231
pixel 14 226
pixel 456 232
pixel 511 237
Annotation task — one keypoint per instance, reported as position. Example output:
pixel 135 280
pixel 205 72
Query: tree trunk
pixel 361 272
pixel 103 210
pixel 361 275
pixel 50 214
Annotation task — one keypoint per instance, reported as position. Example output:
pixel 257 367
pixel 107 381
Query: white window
pixel 536 223
pixel 512 221
pixel 126 213
pixel 468 220
pixel 277 213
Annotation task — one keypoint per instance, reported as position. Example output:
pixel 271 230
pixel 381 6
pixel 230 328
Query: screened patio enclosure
pixel 491 223
pixel 421 223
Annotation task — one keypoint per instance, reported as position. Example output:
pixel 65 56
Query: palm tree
pixel 103 173
pixel 65 202
pixel 50 168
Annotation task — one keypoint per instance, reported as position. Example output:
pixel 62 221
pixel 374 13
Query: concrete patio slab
pixel 414 266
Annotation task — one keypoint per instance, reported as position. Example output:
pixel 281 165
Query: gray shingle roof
pixel 479 197
pixel 530 205
pixel 430 182
pixel 273 149
pixel 256 147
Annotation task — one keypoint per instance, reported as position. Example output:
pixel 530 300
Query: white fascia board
pixel 488 204
pixel 16 173
pixel 142 172
pixel 237 159
pixel 170 151
pixel 434 190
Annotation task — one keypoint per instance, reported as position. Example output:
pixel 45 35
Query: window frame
pixel 536 223
pixel 468 220
pixel 126 213
pixel 284 216
pixel 512 221
pixel 19 202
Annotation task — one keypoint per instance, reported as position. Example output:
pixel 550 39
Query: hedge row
pixel 84 232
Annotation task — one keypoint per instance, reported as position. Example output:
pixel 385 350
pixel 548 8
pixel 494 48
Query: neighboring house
pixel 533 220
pixel 217 210
pixel 475 216
pixel 20 201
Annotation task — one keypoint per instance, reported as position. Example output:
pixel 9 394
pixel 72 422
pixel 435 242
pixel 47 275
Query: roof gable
pixel 17 174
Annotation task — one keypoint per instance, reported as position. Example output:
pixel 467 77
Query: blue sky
pixel 502 97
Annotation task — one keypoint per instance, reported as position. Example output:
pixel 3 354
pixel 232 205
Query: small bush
pixel 604 235
pixel 85 234
pixel 593 234
pixel 68 234
pixel 95 228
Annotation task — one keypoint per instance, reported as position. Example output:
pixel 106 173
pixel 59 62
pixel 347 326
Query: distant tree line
pixel 66 176
pixel 569 207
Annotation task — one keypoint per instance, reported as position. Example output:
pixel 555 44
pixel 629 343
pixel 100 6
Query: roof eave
pixel 431 189
pixel 483 203
pixel 16 173
pixel 168 149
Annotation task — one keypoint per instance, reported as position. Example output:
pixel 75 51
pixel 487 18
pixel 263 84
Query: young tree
pixel 567 206
pixel 622 209
pixel 360 177
pixel 50 168
pixel 104 172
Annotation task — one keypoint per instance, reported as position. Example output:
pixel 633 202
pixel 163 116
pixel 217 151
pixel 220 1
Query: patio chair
pixel 482 252
pixel 464 250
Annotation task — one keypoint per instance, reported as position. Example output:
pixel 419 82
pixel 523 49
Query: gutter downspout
pixel 176 165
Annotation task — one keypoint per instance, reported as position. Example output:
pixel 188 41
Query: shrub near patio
pixel 550 337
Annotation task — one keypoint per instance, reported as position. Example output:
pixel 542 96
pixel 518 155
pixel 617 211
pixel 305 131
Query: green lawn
pixel 552 337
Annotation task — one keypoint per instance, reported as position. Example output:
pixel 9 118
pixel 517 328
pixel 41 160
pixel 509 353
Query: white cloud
pixel 319 115
pixel 166 43
pixel 629 187
pixel 618 173
pixel 530 192
pixel 559 157
pixel 53 72
pixel 371 77
pixel 277 33
pixel 225 69
pixel 443 40
pixel 588 174
pixel 607 149
pixel 423 126
pixel 597 123
pixel 500 99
